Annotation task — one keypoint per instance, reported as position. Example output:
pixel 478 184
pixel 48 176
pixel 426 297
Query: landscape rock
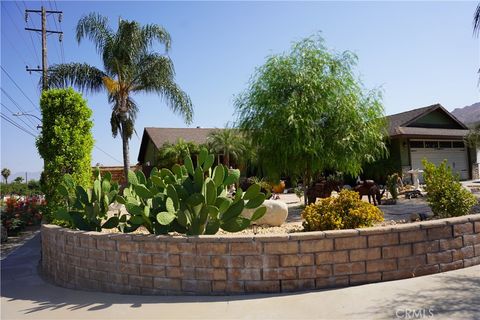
pixel 277 212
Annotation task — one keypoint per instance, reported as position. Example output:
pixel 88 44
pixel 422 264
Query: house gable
pixel 436 118
pixel 429 122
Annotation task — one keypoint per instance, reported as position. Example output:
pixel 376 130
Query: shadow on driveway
pixel 21 282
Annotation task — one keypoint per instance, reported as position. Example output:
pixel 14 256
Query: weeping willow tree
pixel 129 66
pixel 305 112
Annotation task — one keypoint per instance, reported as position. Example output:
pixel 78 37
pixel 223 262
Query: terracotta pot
pixel 278 188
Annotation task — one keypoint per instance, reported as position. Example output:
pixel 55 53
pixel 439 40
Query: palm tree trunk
pixel 126 149
pixel 227 159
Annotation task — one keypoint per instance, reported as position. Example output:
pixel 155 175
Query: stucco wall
pixel 149 264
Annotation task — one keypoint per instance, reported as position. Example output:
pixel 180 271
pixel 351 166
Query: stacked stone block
pixel 215 265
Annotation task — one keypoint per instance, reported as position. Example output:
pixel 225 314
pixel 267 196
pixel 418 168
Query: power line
pixel 15 83
pixel 24 61
pixel 16 104
pixel 11 112
pixel 13 123
pixel 109 155
pixel 21 34
pixel 60 27
pixel 43 14
pixel 60 55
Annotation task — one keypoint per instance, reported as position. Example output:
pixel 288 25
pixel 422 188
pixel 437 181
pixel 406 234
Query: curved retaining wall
pixel 149 264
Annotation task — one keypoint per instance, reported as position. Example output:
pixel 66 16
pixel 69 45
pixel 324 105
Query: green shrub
pixel 346 211
pixel 65 143
pixel 445 194
pixel 21 189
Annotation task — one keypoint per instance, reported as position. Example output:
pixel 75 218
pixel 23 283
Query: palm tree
pixel 174 153
pixel 129 66
pixel 6 173
pixel 228 142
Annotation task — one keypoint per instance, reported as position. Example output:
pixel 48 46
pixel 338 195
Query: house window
pixel 445 144
pixel 416 144
pixel 431 144
pixel 458 144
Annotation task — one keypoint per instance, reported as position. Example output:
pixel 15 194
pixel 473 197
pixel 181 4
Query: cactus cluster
pixel 87 209
pixel 187 199
pixel 190 200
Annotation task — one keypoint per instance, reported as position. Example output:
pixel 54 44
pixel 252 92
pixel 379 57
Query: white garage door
pixel 436 152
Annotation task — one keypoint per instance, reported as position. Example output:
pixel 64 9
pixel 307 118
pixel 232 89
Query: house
pixel 432 133
pixel 154 138
pixel 116 172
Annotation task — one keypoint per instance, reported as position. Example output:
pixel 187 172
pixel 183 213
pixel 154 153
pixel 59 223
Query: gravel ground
pixel 393 214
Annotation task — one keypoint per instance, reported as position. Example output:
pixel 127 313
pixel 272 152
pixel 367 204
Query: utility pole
pixel 44 32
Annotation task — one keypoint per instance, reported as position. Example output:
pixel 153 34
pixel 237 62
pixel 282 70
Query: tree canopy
pixel 66 142
pixel 473 137
pixel 227 142
pixel 306 111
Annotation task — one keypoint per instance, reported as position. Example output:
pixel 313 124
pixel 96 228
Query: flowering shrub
pixel 16 214
pixel 346 211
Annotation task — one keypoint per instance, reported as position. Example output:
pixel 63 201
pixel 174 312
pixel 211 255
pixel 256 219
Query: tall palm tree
pixel 228 142
pixel 6 173
pixel 129 66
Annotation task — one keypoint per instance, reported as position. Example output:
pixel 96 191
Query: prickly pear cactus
pixel 190 200
pixel 87 209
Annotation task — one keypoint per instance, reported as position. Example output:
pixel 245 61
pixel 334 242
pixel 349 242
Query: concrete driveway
pixel 451 295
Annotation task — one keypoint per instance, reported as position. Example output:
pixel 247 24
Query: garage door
pixel 437 151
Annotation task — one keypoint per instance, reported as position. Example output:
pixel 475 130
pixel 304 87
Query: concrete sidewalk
pixel 451 295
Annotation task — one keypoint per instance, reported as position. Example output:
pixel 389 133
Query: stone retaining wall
pixel 214 265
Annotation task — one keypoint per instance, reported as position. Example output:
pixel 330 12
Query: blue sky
pixel 418 53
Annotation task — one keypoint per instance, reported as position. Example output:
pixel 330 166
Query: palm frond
pixel 151 71
pixel 94 27
pixel 476 21
pixel 176 99
pixel 152 32
pixel 111 85
pixel 80 75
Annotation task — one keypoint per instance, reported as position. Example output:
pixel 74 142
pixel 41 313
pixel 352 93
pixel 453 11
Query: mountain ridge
pixel 469 115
